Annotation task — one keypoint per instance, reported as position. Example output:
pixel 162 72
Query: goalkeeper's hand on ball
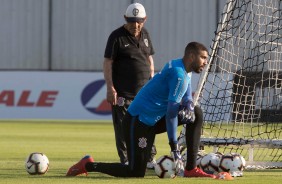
pixel 178 164
pixel 186 113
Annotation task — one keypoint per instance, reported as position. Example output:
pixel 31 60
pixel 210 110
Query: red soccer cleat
pixel 196 172
pixel 79 167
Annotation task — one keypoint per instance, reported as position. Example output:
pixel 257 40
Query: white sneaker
pixel 151 165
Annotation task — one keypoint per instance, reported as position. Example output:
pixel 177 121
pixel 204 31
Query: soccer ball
pixel 198 160
pixel 233 163
pixel 37 163
pixel 210 162
pixel 165 167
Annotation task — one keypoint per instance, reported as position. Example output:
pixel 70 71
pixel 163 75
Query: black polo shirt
pixel 131 67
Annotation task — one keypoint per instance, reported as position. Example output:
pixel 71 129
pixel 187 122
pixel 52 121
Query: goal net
pixel 240 91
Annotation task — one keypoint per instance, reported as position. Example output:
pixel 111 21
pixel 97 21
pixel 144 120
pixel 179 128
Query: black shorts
pixel 139 140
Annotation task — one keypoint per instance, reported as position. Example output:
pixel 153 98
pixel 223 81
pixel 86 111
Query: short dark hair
pixel 194 48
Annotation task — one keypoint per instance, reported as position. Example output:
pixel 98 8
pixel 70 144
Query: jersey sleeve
pixel 111 47
pixel 177 85
pixel 188 95
pixel 172 121
pixel 152 51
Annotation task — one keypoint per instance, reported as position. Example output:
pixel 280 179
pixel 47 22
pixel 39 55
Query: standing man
pixel 128 65
pixel 164 103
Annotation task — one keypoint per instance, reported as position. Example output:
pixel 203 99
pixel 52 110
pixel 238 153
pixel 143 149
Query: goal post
pixel 240 91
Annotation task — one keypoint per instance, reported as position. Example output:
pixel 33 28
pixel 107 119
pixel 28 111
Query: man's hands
pixel 111 95
pixel 186 113
pixel 178 164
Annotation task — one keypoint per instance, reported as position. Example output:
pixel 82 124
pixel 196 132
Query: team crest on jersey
pixel 146 42
pixel 142 142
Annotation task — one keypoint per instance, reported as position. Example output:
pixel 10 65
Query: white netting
pixel 241 90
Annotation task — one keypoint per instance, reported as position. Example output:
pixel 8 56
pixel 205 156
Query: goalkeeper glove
pixel 178 164
pixel 176 156
pixel 186 113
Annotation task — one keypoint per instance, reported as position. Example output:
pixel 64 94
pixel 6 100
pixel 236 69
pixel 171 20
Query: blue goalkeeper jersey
pixel 172 83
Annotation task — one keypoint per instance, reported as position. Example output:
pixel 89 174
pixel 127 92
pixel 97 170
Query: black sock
pixel 193 135
pixel 91 166
pixel 113 169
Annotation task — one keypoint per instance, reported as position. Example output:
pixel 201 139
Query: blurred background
pixel 52 51
pixel 71 35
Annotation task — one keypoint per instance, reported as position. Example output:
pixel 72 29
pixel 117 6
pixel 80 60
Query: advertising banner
pixel 55 95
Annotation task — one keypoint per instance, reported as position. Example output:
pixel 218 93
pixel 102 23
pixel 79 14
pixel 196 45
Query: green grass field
pixel 66 142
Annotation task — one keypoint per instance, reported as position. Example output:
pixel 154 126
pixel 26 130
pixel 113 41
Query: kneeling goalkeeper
pixel 164 103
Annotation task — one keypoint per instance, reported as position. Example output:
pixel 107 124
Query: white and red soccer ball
pixel 216 163
pixel 233 163
pixel 198 160
pixel 210 162
pixel 165 167
pixel 37 164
